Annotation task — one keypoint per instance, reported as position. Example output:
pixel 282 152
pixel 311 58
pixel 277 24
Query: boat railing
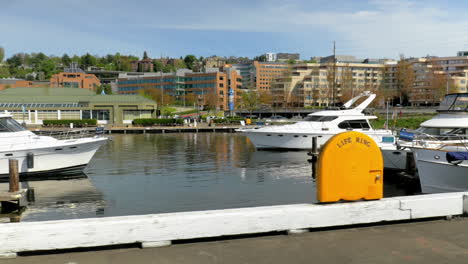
pixel 414 138
pixel 72 133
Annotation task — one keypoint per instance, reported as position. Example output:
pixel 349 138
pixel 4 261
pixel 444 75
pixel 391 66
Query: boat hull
pixel 394 159
pixel 70 156
pixel 279 140
pixel 437 175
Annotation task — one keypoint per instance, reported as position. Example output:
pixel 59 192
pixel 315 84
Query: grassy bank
pixel 403 122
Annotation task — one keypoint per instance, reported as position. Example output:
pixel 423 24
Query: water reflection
pixel 159 173
pixel 68 198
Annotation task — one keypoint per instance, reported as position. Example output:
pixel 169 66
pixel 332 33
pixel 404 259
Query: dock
pixel 10 200
pixel 201 128
pixel 166 229
pixel 434 241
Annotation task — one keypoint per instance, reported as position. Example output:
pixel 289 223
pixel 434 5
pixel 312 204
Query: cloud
pixel 372 28
pixel 381 28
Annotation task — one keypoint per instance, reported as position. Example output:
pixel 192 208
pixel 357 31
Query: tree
pixel 48 67
pixel 2 54
pixel 250 100
pixel 405 78
pixel 158 66
pixel 190 60
pixel 4 72
pixel 88 60
pixel 210 100
pixel 437 86
pixel 190 99
pixel 331 84
pixel 66 60
pixel 15 61
pixel 145 55
pixel 346 84
pixel 261 58
pixel 104 87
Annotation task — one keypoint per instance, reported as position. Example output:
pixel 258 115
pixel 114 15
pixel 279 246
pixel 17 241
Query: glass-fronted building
pixel 33 105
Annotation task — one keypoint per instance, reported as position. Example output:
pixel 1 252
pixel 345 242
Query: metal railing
pixel 72 133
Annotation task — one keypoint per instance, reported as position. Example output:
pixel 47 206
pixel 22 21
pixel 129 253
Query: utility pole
pixel 334 74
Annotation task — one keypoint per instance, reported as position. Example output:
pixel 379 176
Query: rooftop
pixel 65 95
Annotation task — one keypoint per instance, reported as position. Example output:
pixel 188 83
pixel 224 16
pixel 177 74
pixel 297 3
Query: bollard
pixel 14 175
pixel 314 157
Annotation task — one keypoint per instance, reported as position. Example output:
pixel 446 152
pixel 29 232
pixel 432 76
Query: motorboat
pixel 450 126
pixel 323 125
pixel 444 169
pixel 39 155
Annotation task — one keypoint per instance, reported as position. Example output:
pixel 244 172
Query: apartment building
pixel 433 77
pixel 327 83
pixel 211 88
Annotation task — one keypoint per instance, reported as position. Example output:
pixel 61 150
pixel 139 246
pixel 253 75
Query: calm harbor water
pixel 162 173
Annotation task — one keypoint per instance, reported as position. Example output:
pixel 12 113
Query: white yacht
pixel 323 125
pixel 450 126
pixel 444 169
pixel 38 155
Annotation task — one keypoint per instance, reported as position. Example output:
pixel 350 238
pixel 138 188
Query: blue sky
pixel 364 28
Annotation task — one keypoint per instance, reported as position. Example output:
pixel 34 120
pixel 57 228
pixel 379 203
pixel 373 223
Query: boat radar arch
pixel 364 104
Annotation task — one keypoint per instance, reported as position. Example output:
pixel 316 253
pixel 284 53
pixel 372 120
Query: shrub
pixel 157 121
pixel 66 122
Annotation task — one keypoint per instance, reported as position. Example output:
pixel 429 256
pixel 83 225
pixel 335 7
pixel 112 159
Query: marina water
pixel 162 173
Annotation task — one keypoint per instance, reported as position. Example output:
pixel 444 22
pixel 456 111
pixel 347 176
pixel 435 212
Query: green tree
pixel 48 67
pixel 250 100
pixel 179 64
pixel 87 60
pixel 190 60
pixel 261 58
pixel 4 72
pixel 2 54
pixel 104 87
pixel 145 55
pixel 66 60
pixel 37 59
pixel 158 66
pixel 15 61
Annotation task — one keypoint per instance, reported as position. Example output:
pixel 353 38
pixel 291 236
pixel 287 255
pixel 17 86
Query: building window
pixel 100 114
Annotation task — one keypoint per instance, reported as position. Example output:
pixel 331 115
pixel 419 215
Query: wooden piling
pixel 14 175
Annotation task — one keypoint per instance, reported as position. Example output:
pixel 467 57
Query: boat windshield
pixel 8 124
pixel 455 102
pixel 436 131
pixel 315 118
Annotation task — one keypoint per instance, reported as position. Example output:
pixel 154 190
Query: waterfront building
pixel 210 87
pixel 433 77
pixel 327 83
pixel 33 105
pixel 245 71
pixel 75 77
pixel 264 73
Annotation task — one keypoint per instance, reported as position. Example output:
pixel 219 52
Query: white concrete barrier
pixel 161 229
